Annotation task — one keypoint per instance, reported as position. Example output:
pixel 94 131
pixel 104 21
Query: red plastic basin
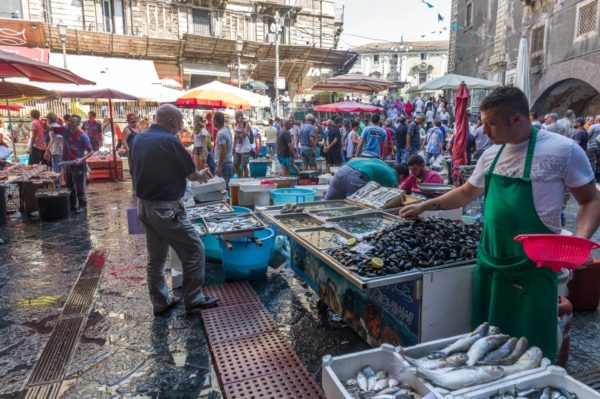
pixel 556 251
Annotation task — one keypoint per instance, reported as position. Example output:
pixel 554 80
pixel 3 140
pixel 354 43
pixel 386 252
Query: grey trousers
pixel 167 225
pixel 345 182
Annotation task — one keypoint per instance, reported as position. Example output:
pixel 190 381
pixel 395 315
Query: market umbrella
pixel 461 128
pixel 16 66
pixel 452 82
pixel 354 83
pixel 522 75
pixel 11 91
pixel 213 95
pixel 348 106
pixel 104 94
pixel 255 85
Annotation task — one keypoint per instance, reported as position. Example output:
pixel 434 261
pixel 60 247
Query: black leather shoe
pixel 206 303
pixel 174 302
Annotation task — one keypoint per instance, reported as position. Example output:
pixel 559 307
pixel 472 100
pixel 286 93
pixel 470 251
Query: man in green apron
pixel 524 177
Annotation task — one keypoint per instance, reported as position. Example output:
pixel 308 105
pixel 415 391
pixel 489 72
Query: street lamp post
pixel 62 32
pixel 278 24
pixel 239 46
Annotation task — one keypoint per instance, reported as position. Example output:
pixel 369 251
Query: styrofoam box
pixel 426 348
pixel 553 376
pixel 338 369
pixel 214 184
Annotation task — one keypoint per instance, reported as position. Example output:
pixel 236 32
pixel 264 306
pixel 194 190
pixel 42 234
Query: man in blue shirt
pixel 308 143
pixel 160 165
pixel 372 140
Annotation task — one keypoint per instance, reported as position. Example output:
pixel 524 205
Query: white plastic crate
pixel 553 376
pixel 337 370
pixel 426 348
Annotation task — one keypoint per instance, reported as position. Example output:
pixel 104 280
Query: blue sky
pixel 388 20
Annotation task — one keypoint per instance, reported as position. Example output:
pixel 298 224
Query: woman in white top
pixel 200 142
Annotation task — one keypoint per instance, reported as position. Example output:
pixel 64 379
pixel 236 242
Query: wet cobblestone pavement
pixel 123 350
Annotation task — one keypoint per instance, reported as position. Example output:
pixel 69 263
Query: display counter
pixel 404 308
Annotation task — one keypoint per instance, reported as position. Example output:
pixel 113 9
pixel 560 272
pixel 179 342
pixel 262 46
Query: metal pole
pixel 64 50
pixel 239 70
pixel 112 131
pixel 277 38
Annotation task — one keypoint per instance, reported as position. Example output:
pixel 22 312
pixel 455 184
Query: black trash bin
pixel 53 203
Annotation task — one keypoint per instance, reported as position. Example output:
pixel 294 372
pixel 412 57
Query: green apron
pixel 509 290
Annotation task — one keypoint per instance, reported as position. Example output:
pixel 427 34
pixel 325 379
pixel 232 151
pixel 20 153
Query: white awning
pixel 219 71
pixel 135 77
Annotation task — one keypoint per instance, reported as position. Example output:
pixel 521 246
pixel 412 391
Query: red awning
pixel 348 106
pixel 16 66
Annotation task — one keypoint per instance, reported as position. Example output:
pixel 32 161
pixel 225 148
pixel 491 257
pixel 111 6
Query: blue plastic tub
pixel 263 151
pixel 283 196
pixel 246 260
pixel 212 249
pixel 258 169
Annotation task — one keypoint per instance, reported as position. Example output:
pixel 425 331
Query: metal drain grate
pixel 81 296
pixel 46 391
pixel 254 356
pixel 288 384
pixel 94 265
pixel 590 378
pixel 46 377
pixel 226 323
pixel 234 293
pixel 53 362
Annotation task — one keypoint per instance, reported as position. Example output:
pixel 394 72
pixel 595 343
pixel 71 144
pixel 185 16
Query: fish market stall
pixel 394 281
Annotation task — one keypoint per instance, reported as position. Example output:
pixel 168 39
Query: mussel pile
pixel 404 245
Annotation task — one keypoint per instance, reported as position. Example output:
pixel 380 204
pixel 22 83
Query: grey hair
pixel 310 117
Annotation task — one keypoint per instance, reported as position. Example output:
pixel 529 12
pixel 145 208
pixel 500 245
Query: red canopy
pixel 11 107
pixel 348 106
pixel 461 127
pixel 16 66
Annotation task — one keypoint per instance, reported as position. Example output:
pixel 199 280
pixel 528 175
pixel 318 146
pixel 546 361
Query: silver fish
pixel 493 330
pixel 520 348
pixel 369 372
pixel 456 360
pixel 393 383
pixel 483 346
pixel 362 381
pixel 381 384
pixel 529 360
pixel 381 375
pixel 503 351
pixel 461 345
pixel 481 330
pixel 371 383
pixel 453 379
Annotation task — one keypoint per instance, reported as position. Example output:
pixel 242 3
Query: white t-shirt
pixel 419 106
pixel 198 137
pixel 558 162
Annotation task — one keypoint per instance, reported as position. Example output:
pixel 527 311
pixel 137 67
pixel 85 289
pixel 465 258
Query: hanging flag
pixel 427 4
pixel 422 35
pixel 453 26
pixel 440 18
